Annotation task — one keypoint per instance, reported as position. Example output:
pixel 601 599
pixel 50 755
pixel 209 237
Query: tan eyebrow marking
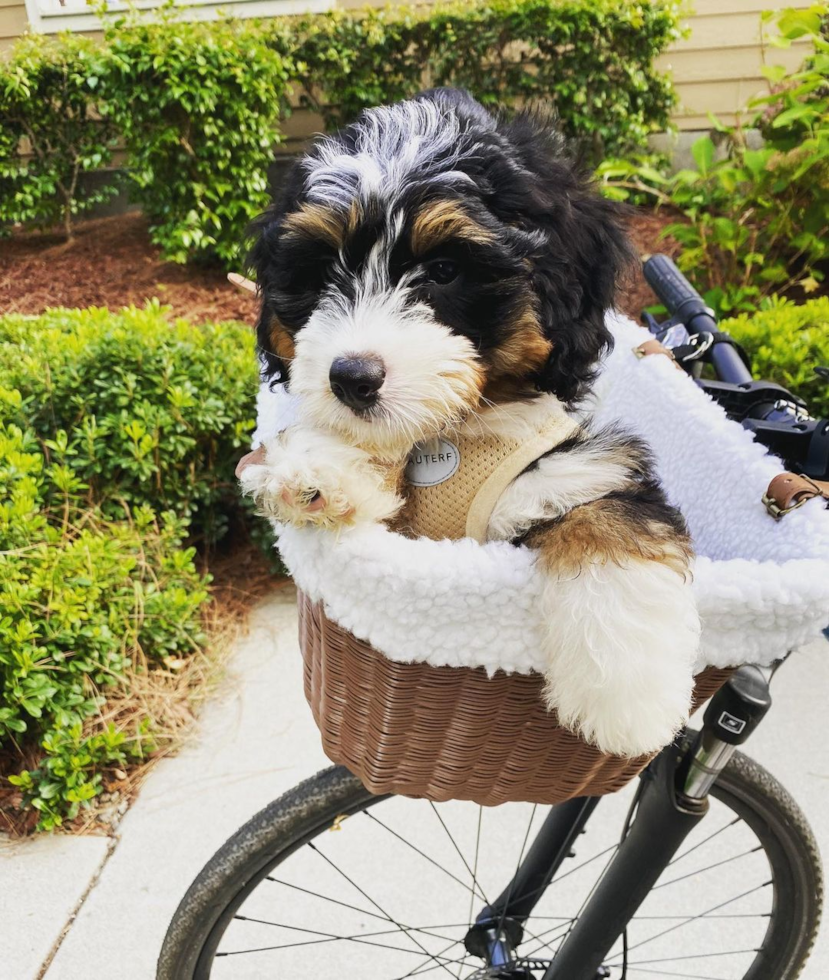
pixel 316 221
pixel 435 223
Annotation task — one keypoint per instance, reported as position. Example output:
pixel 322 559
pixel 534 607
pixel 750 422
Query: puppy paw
pixel 292 491
pixel 309 478
pixel 623 721
pixel 623 642
pixel 310 499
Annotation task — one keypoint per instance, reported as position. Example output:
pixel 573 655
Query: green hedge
pixel 199 105
pixel 150 412
pixel 50 133
pixel 199 108
pixel 591 59
pixel 117 432
pixel 786 343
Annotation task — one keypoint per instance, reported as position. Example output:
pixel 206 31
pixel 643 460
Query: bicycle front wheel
pixel 330 881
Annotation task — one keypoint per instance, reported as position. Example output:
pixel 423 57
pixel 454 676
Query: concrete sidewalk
pixel 112 899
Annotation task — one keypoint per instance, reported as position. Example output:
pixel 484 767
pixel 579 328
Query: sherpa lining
pixel 762 587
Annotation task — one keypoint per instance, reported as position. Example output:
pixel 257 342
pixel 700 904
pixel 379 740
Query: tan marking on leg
pixel 436 223
pixel 601 532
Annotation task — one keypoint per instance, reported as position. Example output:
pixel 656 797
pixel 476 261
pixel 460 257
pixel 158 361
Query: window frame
pixel 47 17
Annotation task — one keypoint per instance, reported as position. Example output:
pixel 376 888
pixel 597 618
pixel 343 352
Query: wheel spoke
pixel 460 854
pixel 423 854
pixel 379 907
pixel 365 938
pixel 555 881
pixel 699 871
pixel 564 928
pixel 702 915
pixel 587 899
pixel 345 905
pixel 684 976
pixel 423 966
pixel 474 879
pixel 726 915
pixel 705 840
pixel 692 956
pixel 517 866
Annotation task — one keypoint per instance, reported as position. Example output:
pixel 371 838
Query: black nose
pixel 356 380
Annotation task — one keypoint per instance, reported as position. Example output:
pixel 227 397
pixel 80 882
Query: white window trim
pixel 48 18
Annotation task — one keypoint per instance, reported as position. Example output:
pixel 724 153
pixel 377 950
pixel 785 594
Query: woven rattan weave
pixel 449 733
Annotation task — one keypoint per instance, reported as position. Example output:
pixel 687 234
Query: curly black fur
pixel 556 245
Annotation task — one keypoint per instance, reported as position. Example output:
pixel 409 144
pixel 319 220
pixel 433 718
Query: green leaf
pixel 703 152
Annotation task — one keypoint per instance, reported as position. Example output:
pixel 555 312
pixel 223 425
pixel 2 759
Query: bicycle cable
pixel 625 831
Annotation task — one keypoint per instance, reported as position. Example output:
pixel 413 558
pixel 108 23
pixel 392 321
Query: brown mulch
pixel 644 230
pixel 112 263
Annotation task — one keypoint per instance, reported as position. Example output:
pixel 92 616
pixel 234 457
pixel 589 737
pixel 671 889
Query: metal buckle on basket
pixel 778 512
pixel 702 342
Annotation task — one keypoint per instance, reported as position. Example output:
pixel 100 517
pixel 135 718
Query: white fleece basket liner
pixel 762 587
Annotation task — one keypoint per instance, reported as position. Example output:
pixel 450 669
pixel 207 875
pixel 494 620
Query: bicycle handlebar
pixel 777 418
pixel 685 304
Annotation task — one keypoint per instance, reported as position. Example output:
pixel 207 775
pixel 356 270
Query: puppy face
pixel 430 260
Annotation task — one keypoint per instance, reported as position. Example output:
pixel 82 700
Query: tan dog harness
pixel 453 482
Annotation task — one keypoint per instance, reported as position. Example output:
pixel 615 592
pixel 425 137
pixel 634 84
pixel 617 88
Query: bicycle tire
pixel 310 808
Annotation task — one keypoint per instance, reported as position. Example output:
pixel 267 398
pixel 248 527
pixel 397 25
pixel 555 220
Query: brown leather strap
pixel 788 491
pixel 654 347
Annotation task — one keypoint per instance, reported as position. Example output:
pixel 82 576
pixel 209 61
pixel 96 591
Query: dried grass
pixel 169 694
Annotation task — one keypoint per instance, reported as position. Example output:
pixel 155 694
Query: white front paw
pixel 292 491
pixel 306 477
pixel 622 720
pixel 622 644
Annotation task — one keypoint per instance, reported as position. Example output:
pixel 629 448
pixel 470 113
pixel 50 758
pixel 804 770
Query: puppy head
pixel 431 259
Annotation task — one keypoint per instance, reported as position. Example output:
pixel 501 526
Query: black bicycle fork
pixel 672 799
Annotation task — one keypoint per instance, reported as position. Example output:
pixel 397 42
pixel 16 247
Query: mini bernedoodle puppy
pixel 431 264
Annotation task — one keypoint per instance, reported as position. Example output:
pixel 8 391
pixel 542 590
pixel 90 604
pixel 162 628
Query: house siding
pixel 13 21
pixel 718 67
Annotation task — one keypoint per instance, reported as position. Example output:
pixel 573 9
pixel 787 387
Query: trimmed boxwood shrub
pixel 786 343
pixel 199 106
pixel 118 435
pixel 148 411
pixel 592 60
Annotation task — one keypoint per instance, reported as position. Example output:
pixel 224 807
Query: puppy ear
pixel 582 253
pixel 275 345
pixel 576 293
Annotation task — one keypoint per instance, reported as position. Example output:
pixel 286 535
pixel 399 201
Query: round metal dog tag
pixel 432 462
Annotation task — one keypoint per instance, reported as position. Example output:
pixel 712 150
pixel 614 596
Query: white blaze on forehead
pixel 393 143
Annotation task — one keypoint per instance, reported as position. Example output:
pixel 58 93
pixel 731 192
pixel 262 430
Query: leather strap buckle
pixel 654 347
pixel 788 491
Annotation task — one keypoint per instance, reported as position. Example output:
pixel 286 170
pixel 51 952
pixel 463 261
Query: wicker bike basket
pixel 449 733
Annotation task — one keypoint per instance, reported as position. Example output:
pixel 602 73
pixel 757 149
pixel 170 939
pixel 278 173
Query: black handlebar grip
pixel 673 289
pixel 685 303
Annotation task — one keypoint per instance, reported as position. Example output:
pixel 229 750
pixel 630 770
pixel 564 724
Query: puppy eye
pixel 442 271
